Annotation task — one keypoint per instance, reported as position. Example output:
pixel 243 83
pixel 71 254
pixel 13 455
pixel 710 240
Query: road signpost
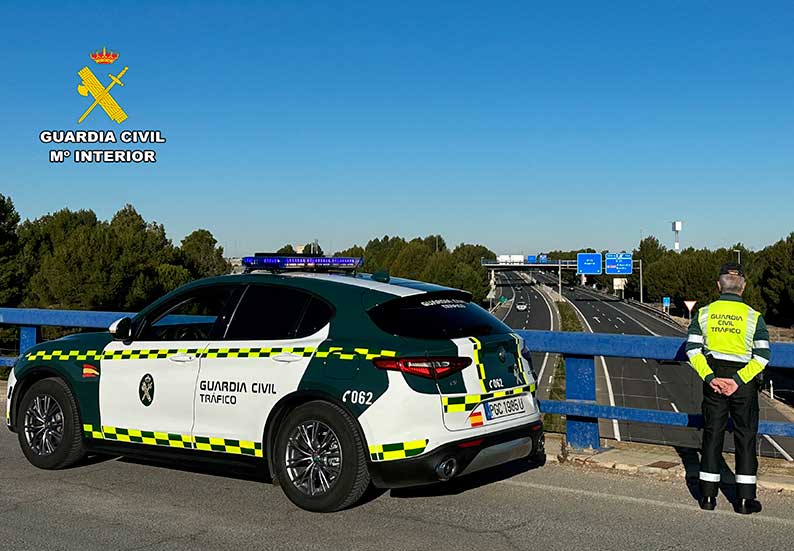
pixel 543 259
pixel 619 263
pixel 588 264
pixel 666 304
pixel 689 305
pixel 532 259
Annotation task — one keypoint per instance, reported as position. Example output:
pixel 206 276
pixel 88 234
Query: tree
pixel 286 250
pixel 10 289
pixel 777 281
pixel 202 255
pixel 411 261
pixel 318 250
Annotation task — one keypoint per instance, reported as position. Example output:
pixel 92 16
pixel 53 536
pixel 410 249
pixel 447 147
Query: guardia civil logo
pixel 90 85
pixel 106 96
pixel 146 390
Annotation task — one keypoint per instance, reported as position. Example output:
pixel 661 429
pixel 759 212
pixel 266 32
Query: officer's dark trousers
pixel 742 406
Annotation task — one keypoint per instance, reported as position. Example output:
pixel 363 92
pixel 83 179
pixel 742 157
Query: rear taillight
pixel 430 368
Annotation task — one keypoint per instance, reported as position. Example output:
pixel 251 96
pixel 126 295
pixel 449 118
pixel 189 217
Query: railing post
pixel 28 336
pixel 580 385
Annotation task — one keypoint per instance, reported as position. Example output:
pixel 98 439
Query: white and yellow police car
pixel 331 379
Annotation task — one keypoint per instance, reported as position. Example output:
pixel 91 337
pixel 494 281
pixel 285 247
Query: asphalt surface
pixel 127 505
pixel 649 384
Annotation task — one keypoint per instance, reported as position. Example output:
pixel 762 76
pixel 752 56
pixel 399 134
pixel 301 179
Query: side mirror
pixel 121 329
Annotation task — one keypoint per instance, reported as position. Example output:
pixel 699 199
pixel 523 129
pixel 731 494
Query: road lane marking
pixel 777 446
pixel 644 360
pixel 616 326
pixel 551 490
pixel 675 409
pixel 655 378
pixel 615 425
pixel 621 319
pixel 551 323
pixel 638 322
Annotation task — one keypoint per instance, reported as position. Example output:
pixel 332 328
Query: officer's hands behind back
pixel 724 386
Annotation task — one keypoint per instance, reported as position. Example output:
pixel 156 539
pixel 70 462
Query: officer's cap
pixel 732 268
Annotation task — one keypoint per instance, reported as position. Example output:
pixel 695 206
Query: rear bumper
pixel 495 449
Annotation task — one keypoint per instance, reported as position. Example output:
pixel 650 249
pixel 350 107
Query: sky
pixel 524 126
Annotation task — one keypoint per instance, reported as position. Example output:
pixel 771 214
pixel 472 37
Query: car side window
pixel 193 316
pixel 274 313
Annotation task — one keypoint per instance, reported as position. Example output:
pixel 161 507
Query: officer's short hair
pixel 731 283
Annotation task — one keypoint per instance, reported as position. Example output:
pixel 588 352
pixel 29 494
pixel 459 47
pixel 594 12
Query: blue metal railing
pixel 578 349
pixel 31 320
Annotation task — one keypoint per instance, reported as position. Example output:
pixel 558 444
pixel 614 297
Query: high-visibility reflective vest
pixel 728 330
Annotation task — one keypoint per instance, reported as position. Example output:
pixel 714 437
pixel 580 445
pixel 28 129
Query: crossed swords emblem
pixel 101 95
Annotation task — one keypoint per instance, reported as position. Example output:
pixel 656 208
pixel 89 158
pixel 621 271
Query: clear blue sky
pixel 525 126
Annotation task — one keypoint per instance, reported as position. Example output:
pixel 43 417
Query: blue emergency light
pixel 276 262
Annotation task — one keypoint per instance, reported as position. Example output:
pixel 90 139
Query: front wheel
pixel 320 461
pixel 48 425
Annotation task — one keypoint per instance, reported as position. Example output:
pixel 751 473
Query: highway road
pixel 646 383
pixel 540 315
pixel 127 505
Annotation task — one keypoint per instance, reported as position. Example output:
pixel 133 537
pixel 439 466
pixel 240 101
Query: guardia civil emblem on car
pixel 146 390
pixel 326 379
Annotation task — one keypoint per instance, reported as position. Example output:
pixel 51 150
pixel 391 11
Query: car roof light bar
pixel 300 262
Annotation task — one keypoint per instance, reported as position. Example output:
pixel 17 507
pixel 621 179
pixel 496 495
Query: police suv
pixel 329 378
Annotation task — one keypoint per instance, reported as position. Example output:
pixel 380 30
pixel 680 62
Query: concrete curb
pixel 660 462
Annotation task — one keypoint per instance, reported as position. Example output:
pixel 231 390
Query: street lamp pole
pixel 739 255
pixel 641 296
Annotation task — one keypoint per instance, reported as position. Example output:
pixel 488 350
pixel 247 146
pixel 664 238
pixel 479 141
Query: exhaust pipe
pixel 447 469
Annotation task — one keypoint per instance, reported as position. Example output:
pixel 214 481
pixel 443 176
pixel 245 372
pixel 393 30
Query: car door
pixel 146 385
pixel 272 336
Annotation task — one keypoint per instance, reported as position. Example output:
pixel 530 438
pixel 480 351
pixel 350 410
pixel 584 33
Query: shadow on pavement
pixel 238 471
pixel 691 459
pixel 469 482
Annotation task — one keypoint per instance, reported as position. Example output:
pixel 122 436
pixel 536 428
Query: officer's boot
pixel 745 506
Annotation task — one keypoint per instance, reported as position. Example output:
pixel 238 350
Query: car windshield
pixel 442 315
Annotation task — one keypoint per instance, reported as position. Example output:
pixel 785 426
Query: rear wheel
pixel 49 428
pixel 320 461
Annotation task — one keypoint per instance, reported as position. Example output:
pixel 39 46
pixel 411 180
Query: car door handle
pixel 287 357
pixel 181 358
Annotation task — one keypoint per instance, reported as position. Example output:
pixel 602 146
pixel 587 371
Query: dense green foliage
pixel 427 259
pixel 70 259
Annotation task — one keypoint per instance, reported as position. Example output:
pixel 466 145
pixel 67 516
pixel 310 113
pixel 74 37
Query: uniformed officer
pixel 728 346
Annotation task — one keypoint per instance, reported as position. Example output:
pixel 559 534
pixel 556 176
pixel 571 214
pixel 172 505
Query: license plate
pixel 504 408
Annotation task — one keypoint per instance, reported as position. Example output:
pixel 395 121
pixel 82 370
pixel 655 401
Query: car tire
pixel 48 425
pixel 336 449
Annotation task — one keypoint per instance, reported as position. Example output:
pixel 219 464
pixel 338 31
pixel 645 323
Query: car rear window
pixel 440 315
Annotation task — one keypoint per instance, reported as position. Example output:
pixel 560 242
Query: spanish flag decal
pixel 476 419
pixel 90 371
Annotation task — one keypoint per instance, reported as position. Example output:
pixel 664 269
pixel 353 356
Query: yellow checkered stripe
pixel 467 402
pixel 341 353
pixel 477 345
pixel 65 355
pixel 337 352
pixel 398 450
pixel 163 353
pixel 184 441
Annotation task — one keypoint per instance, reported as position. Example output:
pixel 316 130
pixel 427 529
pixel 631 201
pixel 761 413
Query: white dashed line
pixel 655 378
pixel 675 409
pixel 644 361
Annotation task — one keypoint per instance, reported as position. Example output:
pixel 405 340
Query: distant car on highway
pixel 329 379
pixel 521 306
